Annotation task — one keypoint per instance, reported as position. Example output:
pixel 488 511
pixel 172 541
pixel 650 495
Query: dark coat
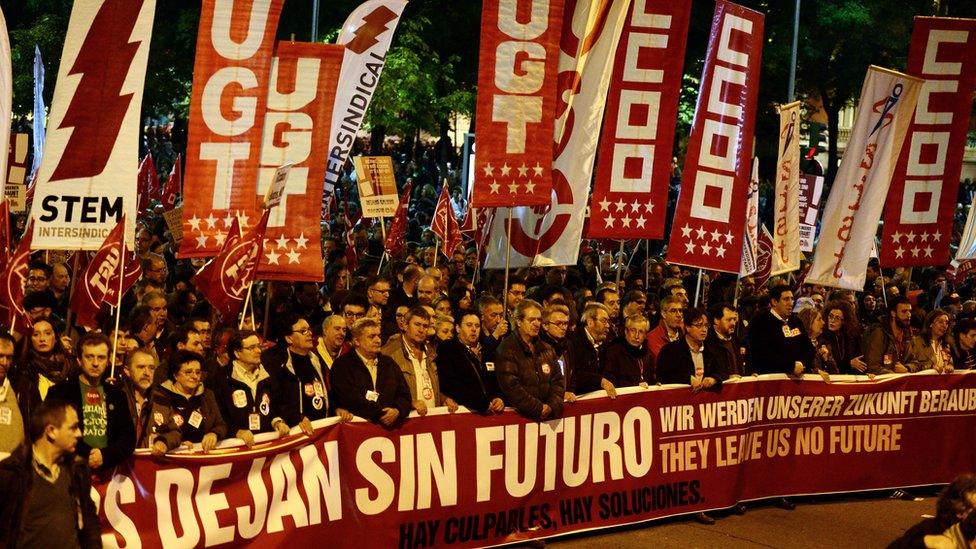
pixel 675 365
pixel 464 376
pixel 771 351
pixel 298 385
pixel 843 348
pixel 16 480
pixel 726 360
pixel 351 380
pixel 627 366
pixel 237 402
pixel 581 363
pixel 171 413
pixel 121 432
pixel 140 420
pixel 530 378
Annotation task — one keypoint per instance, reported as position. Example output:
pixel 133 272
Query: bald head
pixel 426 290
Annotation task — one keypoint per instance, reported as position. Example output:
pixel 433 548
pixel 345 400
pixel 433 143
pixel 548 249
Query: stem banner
pixel 466 480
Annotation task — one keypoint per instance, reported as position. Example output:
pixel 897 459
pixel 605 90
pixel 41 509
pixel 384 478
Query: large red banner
pixel 296 131
pixel 711 208
pixel 634 168
pixel 516 108
pixel 231 74
pixel 922 197
pixel 466 480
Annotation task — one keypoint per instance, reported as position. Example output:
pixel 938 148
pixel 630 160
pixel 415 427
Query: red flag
pixel 711 207
pixel 328 208
pixel 352 259
pixel 764 257
pixel 4 232
pixel 397 235
pixel 147 182
pixel 174 186
pixel 445 224
pixel 226 279
pixel 12 281
pixel 99 283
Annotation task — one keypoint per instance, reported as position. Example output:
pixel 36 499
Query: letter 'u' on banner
pixel 850 220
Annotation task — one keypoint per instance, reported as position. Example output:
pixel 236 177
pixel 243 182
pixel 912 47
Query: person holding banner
pixel 136 384
pixel 843 336
pixel 528 372
pixel 583 359
pixel 931 347
pixel 416 359
pixel 688 360
pixel 626 361
pixel 777 341
pixel 464 376
pixel 963 344
pixel 888 346
pixel 183 410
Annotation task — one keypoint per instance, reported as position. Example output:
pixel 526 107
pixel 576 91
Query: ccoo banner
pixel 87 177
pixel 464 480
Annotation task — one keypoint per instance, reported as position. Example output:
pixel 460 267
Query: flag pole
pixel 698 286
pixel 247 301
pixel 619 265
pixel 253 323
pixel 738 284
pixel 437 246
pixel 908 280
pixel 118 303
pixel 647 264
pixel 382 255
pixel 508 261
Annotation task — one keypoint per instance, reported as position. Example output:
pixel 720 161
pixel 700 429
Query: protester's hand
pixel 609 388
pixel 451 405
pixel 546 411
pixel 825 375
pixel 343 415
pixel 389 416
pixel 497 406
pixel 735 376
pixel 569 396
pixel 306 426
pixel 158 448
pixel 500 330
pixel 282 428
pixel 858 364
pixel 870 377
pixel 695 384
pixel 210 441
pixel 708 382
pixel 824 352
pixel 798 368
pixel 420 407
pixel 642 385
pixel 246 436
pixel 948 369
pixel 900 368
pixel 68 346
pixel 95 459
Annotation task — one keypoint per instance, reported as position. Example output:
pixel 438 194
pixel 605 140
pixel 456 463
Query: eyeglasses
pixel 674 311
pixel 191 373
pixel 562 324
pixel 350 314
pixel 700 325
pixel 37 278
pixel 303 331
pixel 838 317
pixel 254 347
pixel 386 291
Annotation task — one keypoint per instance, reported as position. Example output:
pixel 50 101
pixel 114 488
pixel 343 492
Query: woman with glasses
pixel 185 412
pixel 931 346
pixel 843 337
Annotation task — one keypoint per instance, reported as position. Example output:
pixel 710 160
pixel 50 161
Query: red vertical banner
pixel 516 108
pixel 922 198
pixel 634 167
pixel 296 132
pixel 712 205
pixel 231 74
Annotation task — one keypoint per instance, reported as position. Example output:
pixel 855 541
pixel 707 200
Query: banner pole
pixel 382 255
pixel 738 285
pixel 477 264
pixel 247 301
pixel 698 287
pixel 253 324
pixel 267 308
pixel 908 280
pixel 437 246
pixel 647 264
pixel 118 303
pixel 508 261
pixel 620 253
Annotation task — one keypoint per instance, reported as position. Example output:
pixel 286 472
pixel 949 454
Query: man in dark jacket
pixel 777 341
pixel 627 361
pixel 555 324
pixel 136 385
pixel 109 434
pixel 367 383
pixel 582 365
pixel 463 375
pixel 725 349
pixel 45 493
pixel 688 360
pixel 528 374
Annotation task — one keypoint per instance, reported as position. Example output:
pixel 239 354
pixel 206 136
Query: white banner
pixel 366 34
pixel 551 235
pixel 850 220
pixel 811 189
pixel 786 213
pixel 88 174
pixel 967 244
pixel 6 98
pixel 750 244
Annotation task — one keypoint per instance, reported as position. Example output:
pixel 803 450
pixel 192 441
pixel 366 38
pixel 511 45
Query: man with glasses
pixel 378 295
pixel 582 364
pixel 528 374
pixel 670 327
pixel 354 306
pixel 154 269
pixel 627 362
pixel 38 276
pixel 555 324
pixel 516 293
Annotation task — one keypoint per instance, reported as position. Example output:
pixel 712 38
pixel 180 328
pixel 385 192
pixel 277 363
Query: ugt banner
pixel 711 207
pixel 516 111
pixel 633 171
pixel 853 210
pixel 87 177
pixel 464 480
pixel 296 131
pixel 922 198
pixel 231 74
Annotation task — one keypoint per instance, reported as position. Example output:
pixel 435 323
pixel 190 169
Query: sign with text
pixel 377 186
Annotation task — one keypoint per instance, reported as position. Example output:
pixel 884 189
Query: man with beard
pixel 464 376
pixel 888 346
pixel 582 364
pixel 722 341
pixel 627 362
pixel 555 324
pixel 136 385
pixel 528 375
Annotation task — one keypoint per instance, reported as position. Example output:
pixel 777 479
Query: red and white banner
pixel 750 242
pixel 296 131
pixel 444 223
pixel 87 178
pixel 517 101
pixel 227 278
pixel 786 209
pixel 465 480
pixel 110 273
pixel 551 235
pixel 396 237
pixel 173 188
pixel 634 167
pixel 147 181
pixel 853 210
pixel 764 258
pixel 922 199
pixel 811 193
pixel 714 183
pixel 366 35
pixel 13 279
pixel 231 76
pixel 967 242
pixel 6 98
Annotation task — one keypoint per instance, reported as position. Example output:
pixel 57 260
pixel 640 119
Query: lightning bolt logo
pixel 97 107
pixel 373 25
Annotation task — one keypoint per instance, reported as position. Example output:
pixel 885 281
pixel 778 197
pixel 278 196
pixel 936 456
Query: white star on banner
pixel 649 207
pixel 273 257
pixel 537 169
pixel 686 231
pixel 626 221
pixel 716 235
pixel 609 221
pixel 195 222
pixel 211 221
pixel 530 187
pixel 928 251
pixel 282 242
pixel 689 247
pixel 701 232
pixel 635 206
pixel 489 170
pixel 910 236
pixel 915 252
pixel 640 222
pixel 729 237
pixel 896 237
pixel 494 187
pixel 201 241
pixel 899 253
pixel 228 219
pixel 706 248
pixel 925 236
pixel 523 170
pixel 505 169
pixel 244 219
pixel 720 250
pixel 220 237
pixel 936 236
pixel 513 188
pixel 620 204
pixel 604 204
pixel 301 242
pixel 293 257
